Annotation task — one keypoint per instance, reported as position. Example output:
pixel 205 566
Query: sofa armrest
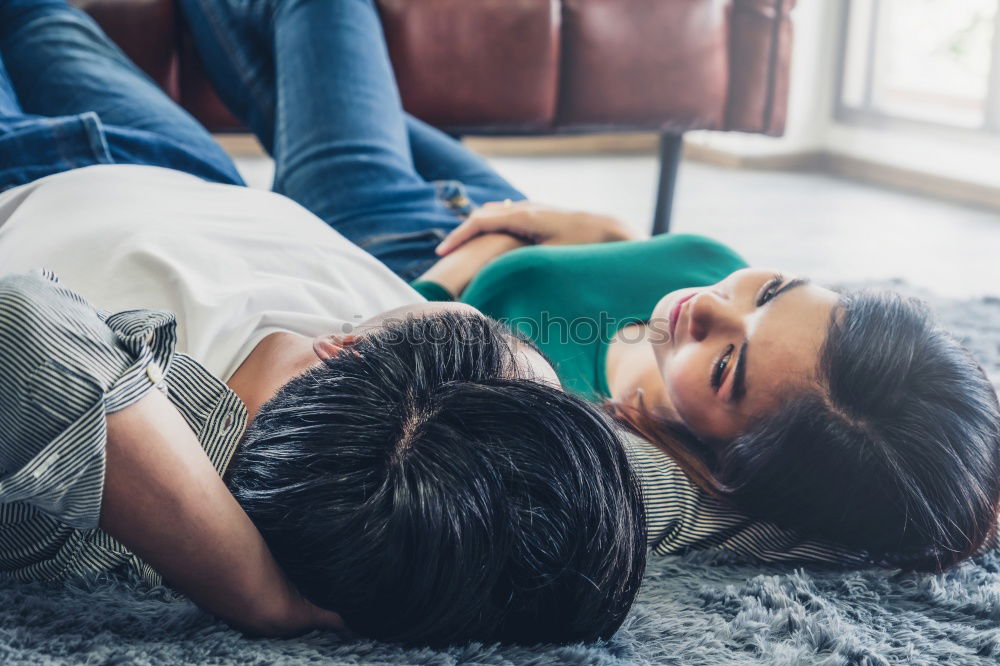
pixel 676 64
pixel 760 46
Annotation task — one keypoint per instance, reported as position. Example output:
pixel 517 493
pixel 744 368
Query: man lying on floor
pixel 424 476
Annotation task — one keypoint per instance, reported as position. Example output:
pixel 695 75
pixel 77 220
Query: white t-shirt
pixel 233 264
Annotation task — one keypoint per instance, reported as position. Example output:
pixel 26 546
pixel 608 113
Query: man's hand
pixel 299 618
pixel 537 224
pixel 165 501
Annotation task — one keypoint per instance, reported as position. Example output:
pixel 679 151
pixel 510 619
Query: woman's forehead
pixel 784 343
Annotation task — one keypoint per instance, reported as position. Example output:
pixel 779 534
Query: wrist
pixel 499 244
pixel 291 617
pixel 614 229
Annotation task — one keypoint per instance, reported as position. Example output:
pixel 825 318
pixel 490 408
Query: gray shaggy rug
pixel 701 608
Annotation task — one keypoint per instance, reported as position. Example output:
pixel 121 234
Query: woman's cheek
pixel 682 387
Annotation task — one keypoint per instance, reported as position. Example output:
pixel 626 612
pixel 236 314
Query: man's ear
pixel 328 346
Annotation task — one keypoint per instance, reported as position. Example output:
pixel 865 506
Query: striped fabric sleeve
pixel 681 517
pixel 62 369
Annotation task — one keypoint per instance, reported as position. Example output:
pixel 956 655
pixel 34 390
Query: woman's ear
pixel 328 346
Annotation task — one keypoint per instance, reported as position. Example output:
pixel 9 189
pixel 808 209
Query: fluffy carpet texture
pixel 701 608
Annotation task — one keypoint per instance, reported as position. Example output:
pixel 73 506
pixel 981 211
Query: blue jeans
pixel 312 79
pixel 69 98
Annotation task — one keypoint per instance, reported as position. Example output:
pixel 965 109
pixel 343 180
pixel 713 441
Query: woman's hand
pixel 536 224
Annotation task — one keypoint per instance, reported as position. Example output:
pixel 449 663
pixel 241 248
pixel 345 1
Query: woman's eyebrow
pixel 740 371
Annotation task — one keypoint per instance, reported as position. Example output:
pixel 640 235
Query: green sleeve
pixel 432 291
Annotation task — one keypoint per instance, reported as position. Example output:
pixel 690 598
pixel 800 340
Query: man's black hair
pixel 421 487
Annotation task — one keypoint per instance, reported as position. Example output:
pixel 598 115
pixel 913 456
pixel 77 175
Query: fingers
pixel 329 620
pixel 475 225
pixel 457 236
pixel 495 216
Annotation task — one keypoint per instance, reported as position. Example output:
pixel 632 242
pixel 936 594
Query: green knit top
pixel 570 300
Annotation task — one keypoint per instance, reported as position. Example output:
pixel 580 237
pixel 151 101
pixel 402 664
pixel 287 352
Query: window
pixel 921 61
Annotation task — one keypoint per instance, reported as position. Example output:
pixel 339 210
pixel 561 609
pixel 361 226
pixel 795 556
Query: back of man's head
pixel 422 489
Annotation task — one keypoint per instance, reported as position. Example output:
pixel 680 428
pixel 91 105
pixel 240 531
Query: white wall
pixel 968 157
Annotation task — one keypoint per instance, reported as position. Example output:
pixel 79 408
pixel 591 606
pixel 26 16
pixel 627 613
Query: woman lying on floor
pixel 849 426
pixel 850 417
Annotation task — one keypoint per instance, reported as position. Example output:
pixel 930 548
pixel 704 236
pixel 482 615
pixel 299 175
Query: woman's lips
pixel 675 314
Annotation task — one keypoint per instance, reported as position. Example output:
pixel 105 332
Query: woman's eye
pixel 720 367
pixel 769 290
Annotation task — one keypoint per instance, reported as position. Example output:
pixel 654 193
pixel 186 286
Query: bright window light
pixel 924 60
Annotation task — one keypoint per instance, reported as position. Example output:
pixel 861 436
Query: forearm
pixel 605 229
pixel 165 501
pixel 456 270
pixel 537 224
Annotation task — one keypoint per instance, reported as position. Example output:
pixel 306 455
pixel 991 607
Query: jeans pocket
pixel 40 147
pixel 452 195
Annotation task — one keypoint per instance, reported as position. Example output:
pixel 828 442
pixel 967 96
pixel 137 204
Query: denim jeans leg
pixel 438 156
pixel 9 106
pixel 314 82
pixel 236 44
pixel 337 131
pixel 234 39
pixel 61 63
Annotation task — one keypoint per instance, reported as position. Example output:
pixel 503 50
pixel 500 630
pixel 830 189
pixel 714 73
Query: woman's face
pixel 732 351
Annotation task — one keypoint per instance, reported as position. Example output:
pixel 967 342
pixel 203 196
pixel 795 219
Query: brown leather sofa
pixel 491 67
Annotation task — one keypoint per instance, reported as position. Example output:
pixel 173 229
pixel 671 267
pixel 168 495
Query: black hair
pixel 895 453
pixel 418 486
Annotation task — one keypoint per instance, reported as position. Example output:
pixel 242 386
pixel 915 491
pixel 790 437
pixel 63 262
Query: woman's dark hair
pixel 422 489
pixel 898 454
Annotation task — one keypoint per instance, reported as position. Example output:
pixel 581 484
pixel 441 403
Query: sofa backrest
pixel 533 66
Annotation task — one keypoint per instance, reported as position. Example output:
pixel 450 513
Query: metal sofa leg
pixel 671 147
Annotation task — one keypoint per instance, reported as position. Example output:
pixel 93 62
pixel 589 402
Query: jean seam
pixel 96 138
pixel 237 56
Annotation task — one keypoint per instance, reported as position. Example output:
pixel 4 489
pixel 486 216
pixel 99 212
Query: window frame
pixel 868 115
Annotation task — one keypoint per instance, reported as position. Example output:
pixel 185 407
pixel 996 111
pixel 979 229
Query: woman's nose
pixel 710 312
